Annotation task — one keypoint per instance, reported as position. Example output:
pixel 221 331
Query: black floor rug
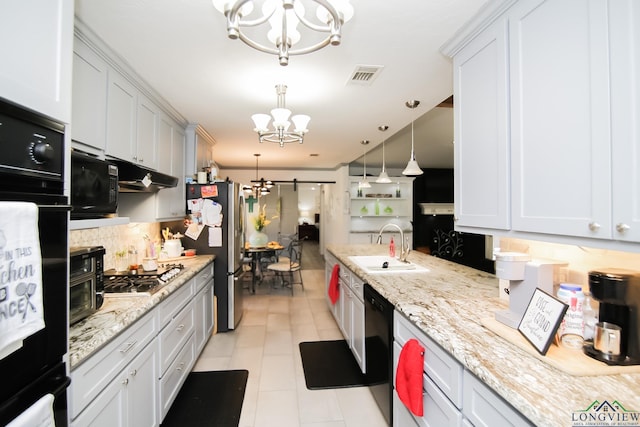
pixel 209 399
pixel 330 364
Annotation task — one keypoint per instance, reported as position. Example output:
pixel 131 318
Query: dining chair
pixel 290 266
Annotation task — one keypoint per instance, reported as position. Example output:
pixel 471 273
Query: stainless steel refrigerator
pixel 216 213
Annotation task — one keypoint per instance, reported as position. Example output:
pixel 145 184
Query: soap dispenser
pixel 392 248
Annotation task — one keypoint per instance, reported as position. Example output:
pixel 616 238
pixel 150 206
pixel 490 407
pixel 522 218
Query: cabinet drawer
pixel 172 381
pixel 170 307
pixel 357 286
pixel 174 335
pixel 483 407
pixel 92 376
pixel 203 277
pixel 439 365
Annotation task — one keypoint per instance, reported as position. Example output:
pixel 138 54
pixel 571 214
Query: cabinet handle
pixel 455 218
pixel 125 381
pixel 594 226
pixel 622 227
pixel 128 347
pixel 135 158
pixel 180 367
pixel 133 373
pixel 180 328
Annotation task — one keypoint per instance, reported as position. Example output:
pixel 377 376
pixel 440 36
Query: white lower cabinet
pixel 203 307
pixel 134 379
pixel 176 374
pixel 484 408
pixel 348 310
pixel 452 396
pixel 129 398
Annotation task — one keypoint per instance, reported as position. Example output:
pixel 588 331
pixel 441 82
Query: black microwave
pixel 94 187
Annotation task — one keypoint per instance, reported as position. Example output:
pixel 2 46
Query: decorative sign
pixel 541 320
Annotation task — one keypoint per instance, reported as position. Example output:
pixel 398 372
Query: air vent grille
pixel 364 75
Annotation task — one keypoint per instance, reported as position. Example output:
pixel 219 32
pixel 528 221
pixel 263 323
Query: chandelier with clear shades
pixel 280 133
pixel 283 17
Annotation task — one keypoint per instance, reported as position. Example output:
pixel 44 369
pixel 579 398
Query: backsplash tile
pixel 116 238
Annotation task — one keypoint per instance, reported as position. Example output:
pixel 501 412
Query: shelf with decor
pixel 373 207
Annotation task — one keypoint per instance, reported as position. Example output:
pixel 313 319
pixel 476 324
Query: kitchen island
pixel 447 304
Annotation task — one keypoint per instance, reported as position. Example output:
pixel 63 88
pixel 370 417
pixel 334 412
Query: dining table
pixel 256 253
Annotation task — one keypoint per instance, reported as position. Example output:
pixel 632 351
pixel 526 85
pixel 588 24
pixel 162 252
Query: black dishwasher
pixel 378 313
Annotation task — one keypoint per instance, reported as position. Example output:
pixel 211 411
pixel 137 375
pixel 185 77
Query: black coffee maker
pixel 618 292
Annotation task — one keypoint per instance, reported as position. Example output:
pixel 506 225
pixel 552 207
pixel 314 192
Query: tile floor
pixel 266 343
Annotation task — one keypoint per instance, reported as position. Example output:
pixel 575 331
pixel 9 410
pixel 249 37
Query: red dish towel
pixel 334 290
pixel 409 376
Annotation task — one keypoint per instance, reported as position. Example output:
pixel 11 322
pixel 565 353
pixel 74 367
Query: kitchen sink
pixel 386 264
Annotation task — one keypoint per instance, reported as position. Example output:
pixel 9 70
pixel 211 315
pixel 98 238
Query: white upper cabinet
pixel 560 131
pixel 564 162
pixel 147 126
pixel 122 106
pixel 36 45
pixel 481 131
pixel 624 16
pixel 89 106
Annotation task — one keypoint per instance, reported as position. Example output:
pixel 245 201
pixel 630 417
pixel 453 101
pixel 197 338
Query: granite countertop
pixel 448 302
pixel 118 313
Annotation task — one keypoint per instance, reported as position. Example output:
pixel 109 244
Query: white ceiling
pixel 181 49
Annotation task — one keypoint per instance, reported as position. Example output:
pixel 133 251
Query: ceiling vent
pixel 364 75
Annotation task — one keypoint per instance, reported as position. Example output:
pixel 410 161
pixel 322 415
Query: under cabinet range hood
pixel 133 178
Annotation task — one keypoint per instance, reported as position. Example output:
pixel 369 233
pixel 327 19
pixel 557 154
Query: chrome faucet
pixel 404 252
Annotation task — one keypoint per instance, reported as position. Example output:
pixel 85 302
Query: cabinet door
pixel 36 47
pixel 347 314
pixel 170 201
pixel 560 133
pixel 146 130
pixel 165 135
pixel 203 316
pixel 108 409
pixel 481 150
pixel 89 107
pixel 121 118
pixel 357 327
pixel 624 47
pixel 142 388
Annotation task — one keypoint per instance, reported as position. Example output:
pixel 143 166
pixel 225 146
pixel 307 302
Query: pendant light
pixel 412 168
pixel 383 178
pixel 364 183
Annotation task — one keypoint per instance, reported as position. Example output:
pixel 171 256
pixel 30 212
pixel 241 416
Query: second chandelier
pixel 280 133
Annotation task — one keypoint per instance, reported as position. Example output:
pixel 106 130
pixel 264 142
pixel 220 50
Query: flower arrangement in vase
pixel 258 239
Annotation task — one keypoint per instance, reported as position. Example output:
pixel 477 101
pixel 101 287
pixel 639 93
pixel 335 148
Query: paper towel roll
pixel 202 177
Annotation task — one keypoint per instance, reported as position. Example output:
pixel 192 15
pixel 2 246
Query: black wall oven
pixel 31 170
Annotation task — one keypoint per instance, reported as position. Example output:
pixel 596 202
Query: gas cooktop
pixel 140 283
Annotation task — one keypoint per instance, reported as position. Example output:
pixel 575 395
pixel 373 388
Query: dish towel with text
pixel 21 311
pixel 334 288
pixel 409 376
